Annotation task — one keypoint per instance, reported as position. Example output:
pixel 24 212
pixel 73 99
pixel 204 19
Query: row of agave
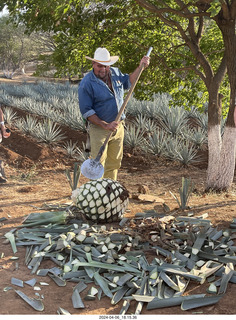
pixel 152 126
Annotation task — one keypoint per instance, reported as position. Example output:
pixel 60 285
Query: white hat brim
pixel 112 60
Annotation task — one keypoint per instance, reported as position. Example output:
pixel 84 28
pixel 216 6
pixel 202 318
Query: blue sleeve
pixel 85 102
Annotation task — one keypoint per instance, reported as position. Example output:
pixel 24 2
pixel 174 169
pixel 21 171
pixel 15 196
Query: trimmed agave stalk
pixel 185 193
pixel 74 179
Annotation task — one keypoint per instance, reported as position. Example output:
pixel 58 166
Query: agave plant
pixel 202 121
pixel 174 120
pixel 156 142
pixel 146 123
pixel 9 115
pixel 184 192
pixel 70 147
pixel 187 154
pixel 48 132
pixel 28 124
pixel 134 137
pixel 82 154
pixel 196 136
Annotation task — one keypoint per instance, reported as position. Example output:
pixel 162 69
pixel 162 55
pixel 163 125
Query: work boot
pixel 3 178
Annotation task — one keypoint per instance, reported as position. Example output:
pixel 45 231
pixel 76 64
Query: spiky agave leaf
pixel 74 180
pixel 44 218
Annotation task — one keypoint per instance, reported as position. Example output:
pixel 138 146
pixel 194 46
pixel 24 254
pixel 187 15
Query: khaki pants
pixel 113 153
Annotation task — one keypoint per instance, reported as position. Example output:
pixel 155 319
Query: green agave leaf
pixel 103 284
pixel 157 303
pixel 229 272
pixel 119 295
pixel 122 280
pixel 169 281
pixel 76 300
pixel 107 266
pixel 17 282
pixel 199 242
pixel 59 281
pixel 10 236
pixel 199 302
pixel 34 303
pixel 142 298
pixel 125 307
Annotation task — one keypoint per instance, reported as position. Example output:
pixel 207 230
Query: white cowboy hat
pixel 102 56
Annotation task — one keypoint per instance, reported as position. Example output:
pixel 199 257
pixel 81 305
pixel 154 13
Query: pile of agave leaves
pixel 112 261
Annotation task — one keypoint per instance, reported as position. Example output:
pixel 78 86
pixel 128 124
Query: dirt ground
pixel 36 175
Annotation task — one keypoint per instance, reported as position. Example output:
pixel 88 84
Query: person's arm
pixel 2 126
pixel 145 62
pixel 112 126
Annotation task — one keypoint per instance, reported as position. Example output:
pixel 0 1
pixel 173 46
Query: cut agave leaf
pixel 63 311
pixel 199 302
pixel 91 294
pixel 31 282
pixel 142 298
pixel 169 281
pixel 10 236
pixel 80 286
pixel 34 303
pixel 212 289
pixel 125 307
pixel 59 281
pixel 119 294
pixel 199 242
pixel 229 271
pixel 122 280
pixel 103 284
pixel 157 303
pixel 76 300
pixel 17 282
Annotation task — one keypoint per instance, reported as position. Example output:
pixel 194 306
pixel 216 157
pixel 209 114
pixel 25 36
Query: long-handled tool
pixel 92 168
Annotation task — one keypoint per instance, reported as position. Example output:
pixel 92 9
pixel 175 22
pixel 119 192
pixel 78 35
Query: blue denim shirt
pixel 95 97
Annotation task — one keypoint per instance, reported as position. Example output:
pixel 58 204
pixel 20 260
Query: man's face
pixel 100 70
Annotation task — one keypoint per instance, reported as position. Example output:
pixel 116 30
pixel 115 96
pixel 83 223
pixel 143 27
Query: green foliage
pixel 215 7
pixel 184 193
pixel 128 28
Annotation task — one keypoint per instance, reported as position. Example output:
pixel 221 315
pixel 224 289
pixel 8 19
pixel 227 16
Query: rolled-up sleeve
pixel 85 102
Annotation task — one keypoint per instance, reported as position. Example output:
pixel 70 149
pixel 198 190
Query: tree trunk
pixel 223 175
pixel 226 167
pixel 214 138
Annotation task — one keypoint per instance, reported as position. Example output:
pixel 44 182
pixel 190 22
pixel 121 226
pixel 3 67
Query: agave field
pixel 173 252
pixel 152 126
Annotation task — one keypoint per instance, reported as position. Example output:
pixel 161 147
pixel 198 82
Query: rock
pixel 143 189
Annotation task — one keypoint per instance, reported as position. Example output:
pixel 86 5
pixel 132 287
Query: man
pixel 101 94
pixel 2 133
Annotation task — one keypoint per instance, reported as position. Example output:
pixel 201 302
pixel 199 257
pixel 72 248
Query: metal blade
pixel 92 169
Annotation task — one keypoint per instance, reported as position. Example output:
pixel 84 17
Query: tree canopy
pixel 128 28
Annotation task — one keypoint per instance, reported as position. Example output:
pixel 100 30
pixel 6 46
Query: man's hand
pixel 112 126
pixel 144 62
